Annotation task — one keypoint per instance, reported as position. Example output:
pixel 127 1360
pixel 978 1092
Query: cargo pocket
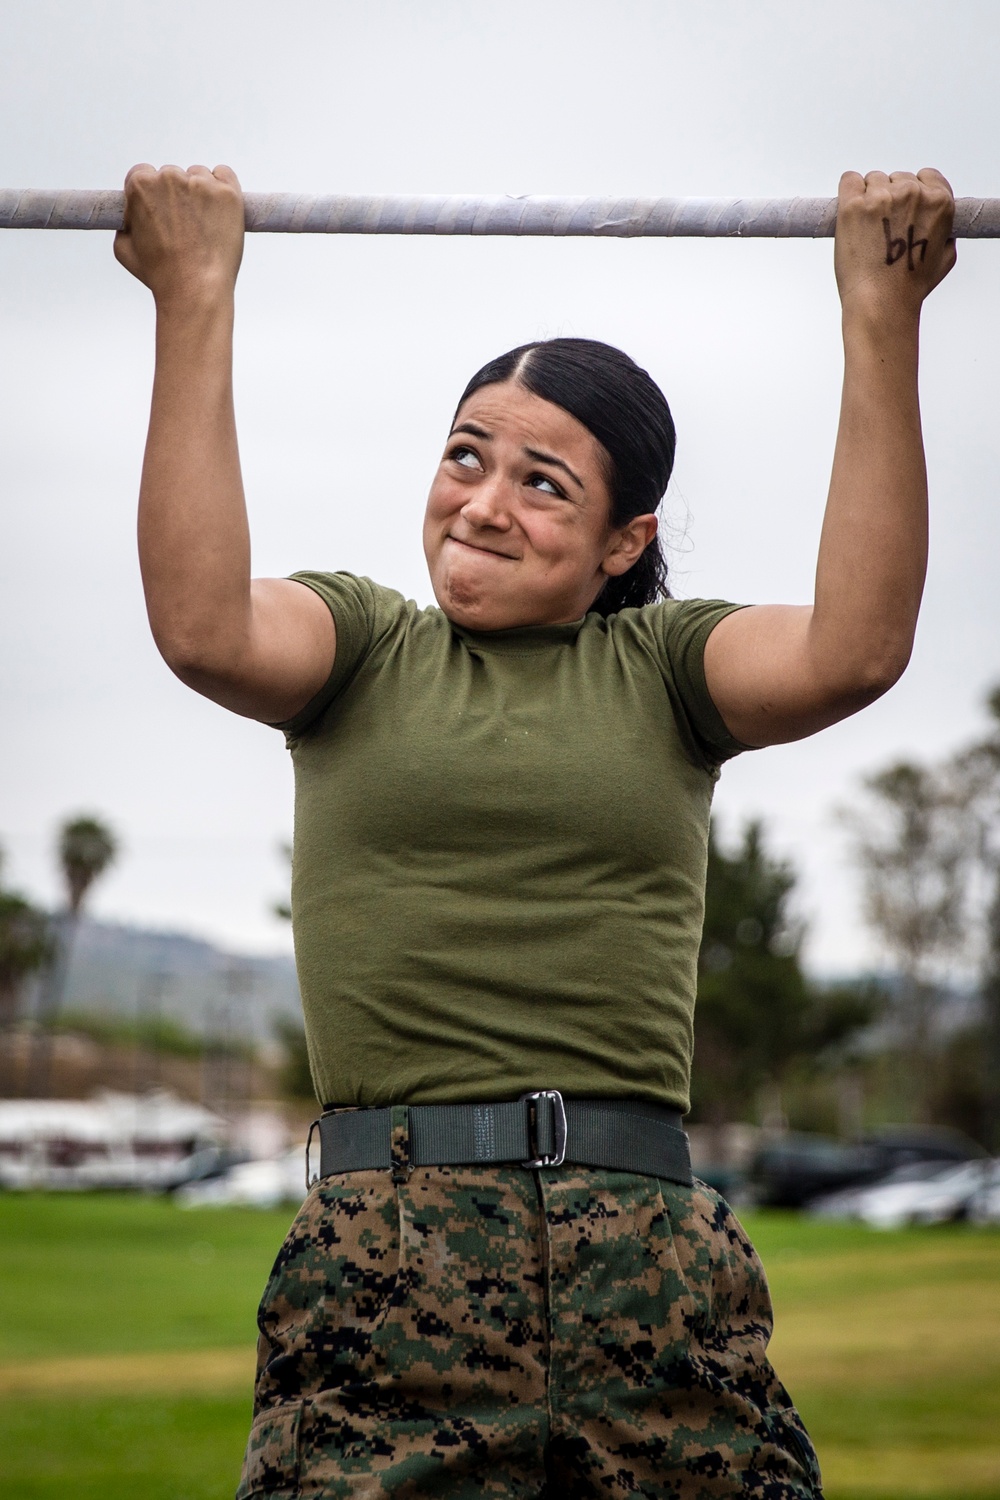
pixel 271 1465
pixel 789 1435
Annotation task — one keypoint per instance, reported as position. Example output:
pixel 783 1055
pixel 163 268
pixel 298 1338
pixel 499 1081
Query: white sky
pixel 351 354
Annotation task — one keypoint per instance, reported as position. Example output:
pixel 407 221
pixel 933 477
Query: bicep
pixel 763 677
pixel 287 656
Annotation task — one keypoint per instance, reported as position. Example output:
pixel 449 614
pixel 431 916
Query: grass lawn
pixel 890 1346
pixel 126 1332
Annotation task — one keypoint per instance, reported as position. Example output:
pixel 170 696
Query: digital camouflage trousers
pixel 479 1331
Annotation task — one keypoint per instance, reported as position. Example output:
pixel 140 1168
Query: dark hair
pixel 625 410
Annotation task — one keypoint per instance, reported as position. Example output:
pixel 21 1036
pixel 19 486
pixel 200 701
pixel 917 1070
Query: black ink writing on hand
pixel 895 249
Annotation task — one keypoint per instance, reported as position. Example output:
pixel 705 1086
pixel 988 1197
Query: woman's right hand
pixel 183 234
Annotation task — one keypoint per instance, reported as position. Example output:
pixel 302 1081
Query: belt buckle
pixel 559 1113
pixel 310 1180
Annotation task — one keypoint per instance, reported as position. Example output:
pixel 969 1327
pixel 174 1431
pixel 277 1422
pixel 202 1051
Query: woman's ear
pixel 627 543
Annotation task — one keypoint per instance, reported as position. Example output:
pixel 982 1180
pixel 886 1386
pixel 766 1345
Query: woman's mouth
pixel 474 547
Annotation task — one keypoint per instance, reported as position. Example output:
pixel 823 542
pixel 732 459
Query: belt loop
pixel 399 1142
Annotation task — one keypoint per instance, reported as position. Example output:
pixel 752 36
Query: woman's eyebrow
pixel 550 458
pixel 475 430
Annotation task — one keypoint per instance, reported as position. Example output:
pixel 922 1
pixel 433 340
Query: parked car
pixel 204 1165
pixel 795 1168
pixel 251 1184
pixel 917 1193
pixel 114 1140
pixel 984 1205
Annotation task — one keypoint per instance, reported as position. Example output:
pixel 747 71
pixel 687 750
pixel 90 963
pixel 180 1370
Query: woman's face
pixel 517 529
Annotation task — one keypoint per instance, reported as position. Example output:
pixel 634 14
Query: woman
pixel 506 1281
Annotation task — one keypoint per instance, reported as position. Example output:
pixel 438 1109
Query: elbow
pixel 195 657
pixel 886 665
pixel 183 651
pixel 873 673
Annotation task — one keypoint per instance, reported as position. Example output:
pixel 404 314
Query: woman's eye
pixel 466 457
pixel 544 483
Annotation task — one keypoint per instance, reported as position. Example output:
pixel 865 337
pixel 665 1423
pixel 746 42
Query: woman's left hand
pixel 894 240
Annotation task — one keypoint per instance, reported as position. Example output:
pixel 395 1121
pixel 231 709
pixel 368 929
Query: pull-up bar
pixel 625 218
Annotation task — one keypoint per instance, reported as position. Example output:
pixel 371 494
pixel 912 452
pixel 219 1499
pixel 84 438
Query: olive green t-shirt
pixel 500 847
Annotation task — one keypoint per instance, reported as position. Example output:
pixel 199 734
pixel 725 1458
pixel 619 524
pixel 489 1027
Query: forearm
pixel 194 543
pixel 777 673
pixel 873 550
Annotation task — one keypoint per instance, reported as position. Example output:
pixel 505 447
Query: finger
pixel 902 176
pixel 933 178
pixel 226 174
pixel 135 177
pixel 141 168
pixel 852 185
pixel 876 181
pixel 124 249
pixel 199 171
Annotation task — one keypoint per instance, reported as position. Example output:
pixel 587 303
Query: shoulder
pixel 673 633
pixel 353 598
pixel 368 616
pixel 365 611
pixel 670 619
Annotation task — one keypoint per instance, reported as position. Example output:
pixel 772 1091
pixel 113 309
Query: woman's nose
pixel 489 505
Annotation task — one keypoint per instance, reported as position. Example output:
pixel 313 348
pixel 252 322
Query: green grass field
pixel 126 1332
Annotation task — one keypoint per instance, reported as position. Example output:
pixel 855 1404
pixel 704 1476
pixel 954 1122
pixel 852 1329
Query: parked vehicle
pixel 112 1141
pixel 984 1205
pixel 917 1193
pixel 797 1167
pixel 204 1165
pixel 251 1184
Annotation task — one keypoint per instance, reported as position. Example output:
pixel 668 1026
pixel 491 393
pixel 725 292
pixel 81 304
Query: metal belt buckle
pixel 559 1113
pixel 310 1180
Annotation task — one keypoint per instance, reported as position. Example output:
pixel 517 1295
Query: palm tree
pixel 25 945
pixel 86 848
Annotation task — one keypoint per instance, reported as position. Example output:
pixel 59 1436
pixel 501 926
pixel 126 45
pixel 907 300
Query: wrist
pixel 195 296
pixel 879 319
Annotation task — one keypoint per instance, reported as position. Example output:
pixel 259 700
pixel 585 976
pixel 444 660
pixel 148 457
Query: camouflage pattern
pixel 478 1331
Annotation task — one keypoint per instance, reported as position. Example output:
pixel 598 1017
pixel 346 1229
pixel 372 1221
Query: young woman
pixel 506 1281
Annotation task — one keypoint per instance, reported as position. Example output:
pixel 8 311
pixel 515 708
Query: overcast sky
pixel 351 353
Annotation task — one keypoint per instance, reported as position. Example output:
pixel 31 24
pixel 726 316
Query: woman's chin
pixel 466 602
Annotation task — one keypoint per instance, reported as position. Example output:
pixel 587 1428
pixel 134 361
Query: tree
pixel 283 908
pixel 911 842
pixel 756 1013
pixel 25 946
pixel 86 847
pixel 975 774
pixel 296 1075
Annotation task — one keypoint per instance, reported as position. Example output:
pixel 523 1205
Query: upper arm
pixel 771 685
pixel 287 656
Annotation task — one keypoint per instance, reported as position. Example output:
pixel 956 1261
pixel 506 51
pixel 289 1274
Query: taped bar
pixel 622 218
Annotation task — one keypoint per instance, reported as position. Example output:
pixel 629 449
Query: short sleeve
pixel 353 602
pixel 682 628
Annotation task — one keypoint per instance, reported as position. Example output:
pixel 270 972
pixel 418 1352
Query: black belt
pixel 538 1130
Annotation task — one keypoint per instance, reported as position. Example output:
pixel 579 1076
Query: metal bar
pixel 623 218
